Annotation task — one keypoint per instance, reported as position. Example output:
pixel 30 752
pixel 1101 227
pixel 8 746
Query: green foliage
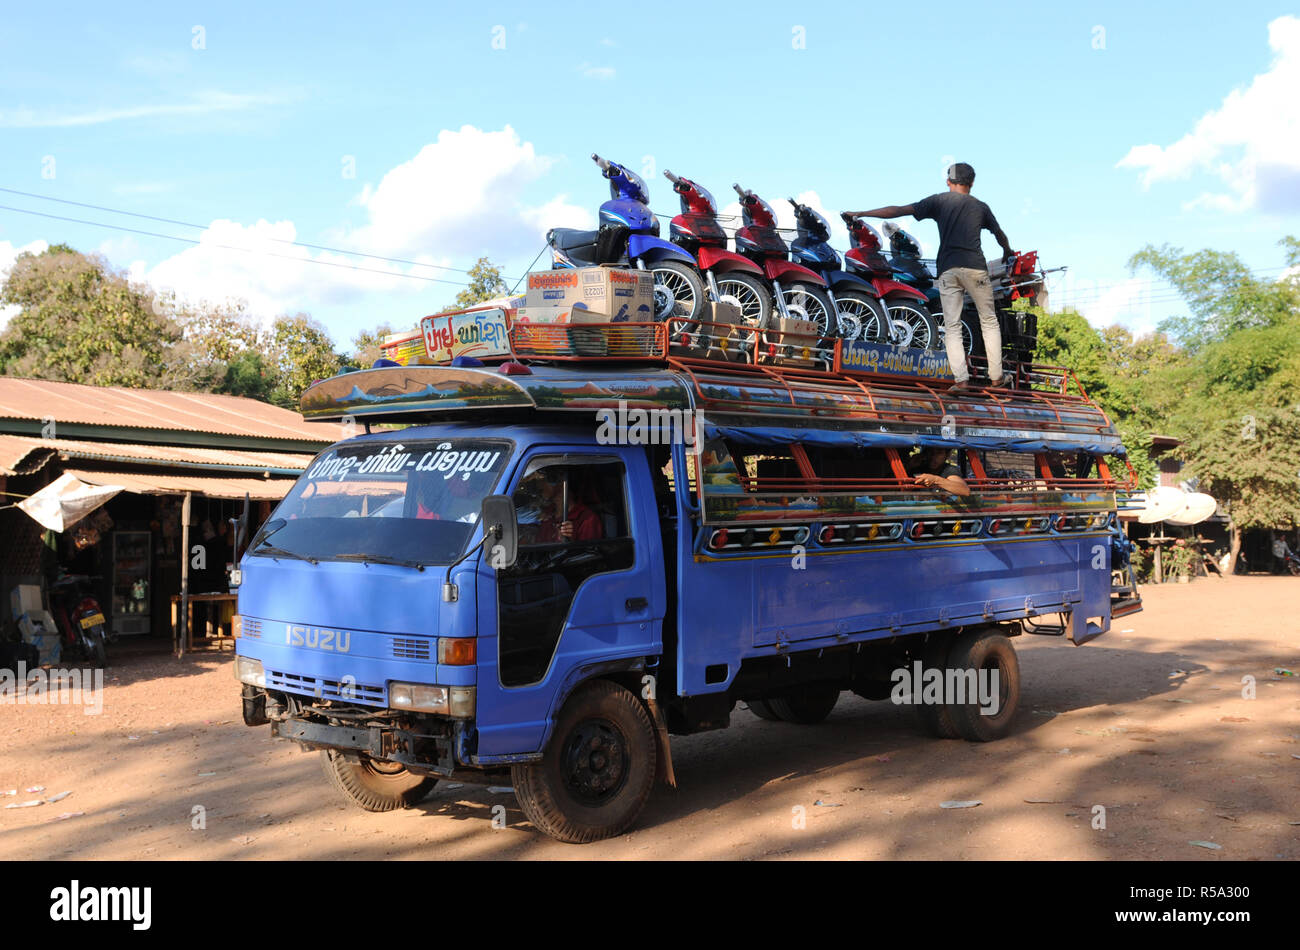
pixel 365 346
pixel 485 282
pixel 301 351
pixel 80 321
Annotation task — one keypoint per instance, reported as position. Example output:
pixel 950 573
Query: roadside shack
pixel 158 551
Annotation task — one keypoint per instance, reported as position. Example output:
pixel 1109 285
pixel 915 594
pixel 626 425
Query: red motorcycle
pixel 912 324
pixel 797 292
pixel 730 277
pixel 80 618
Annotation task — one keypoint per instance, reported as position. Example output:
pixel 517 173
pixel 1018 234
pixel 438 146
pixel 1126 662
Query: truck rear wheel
pixel 935 718
pixel 597 771
pixel 762 709
pixel 986 651
pixel 373 785
pixel 807 705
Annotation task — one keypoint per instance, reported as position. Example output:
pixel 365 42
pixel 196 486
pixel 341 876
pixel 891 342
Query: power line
pixel 190 224
pixel 233 247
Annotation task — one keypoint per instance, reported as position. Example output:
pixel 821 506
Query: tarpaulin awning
pixel 1039 442
pixel 65 501
pixel 258 489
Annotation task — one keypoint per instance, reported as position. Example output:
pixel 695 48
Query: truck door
pixel 587 589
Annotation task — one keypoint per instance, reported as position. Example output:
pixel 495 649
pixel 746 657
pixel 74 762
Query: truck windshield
pixel 413 502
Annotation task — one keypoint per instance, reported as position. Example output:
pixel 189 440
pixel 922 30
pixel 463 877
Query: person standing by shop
pixel 961 266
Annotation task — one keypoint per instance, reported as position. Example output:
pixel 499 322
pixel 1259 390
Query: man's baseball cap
pixel 961 174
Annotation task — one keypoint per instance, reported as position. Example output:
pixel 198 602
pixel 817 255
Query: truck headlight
pixel 419 697
pixel 457 701
pixel 249 670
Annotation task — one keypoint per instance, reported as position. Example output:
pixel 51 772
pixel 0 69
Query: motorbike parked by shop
pixel 80 619
pixel 628 235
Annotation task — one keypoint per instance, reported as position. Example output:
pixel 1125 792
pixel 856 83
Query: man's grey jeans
pixel 954 283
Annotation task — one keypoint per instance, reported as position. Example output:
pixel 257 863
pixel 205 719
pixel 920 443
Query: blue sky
pixel 441 132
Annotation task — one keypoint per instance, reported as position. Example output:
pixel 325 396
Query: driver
pixel 451 499
pixel 546 486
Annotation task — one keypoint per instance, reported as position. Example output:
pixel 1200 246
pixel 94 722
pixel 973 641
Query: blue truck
pixel 538 571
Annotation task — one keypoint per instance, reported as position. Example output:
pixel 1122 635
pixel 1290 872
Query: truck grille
pixel 326 689
pixel 406 648
pixel 251 628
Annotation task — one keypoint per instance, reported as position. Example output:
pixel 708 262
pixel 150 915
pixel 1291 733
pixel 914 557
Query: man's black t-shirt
pixel 960 219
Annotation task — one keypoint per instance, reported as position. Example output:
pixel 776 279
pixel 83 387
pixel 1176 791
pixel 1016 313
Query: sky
pixel 404 141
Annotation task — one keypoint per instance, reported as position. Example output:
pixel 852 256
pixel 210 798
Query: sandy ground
pixel 1148 722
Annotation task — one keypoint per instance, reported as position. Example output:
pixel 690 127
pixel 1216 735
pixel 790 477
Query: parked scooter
pixel 911 323
pixel 862 314
pixel 797 292
pixel 80 619
pixel 731 278
pixel 629 235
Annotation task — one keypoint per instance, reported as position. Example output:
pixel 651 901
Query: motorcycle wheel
pixel 97 654
pixel 913 325
pixel 811 303
pixel 862 317
pixel 1294 568
pixel 748 293
pixel 972 334
pixel 679 294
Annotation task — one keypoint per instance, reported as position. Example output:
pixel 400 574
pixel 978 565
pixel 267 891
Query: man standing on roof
pixel 961 265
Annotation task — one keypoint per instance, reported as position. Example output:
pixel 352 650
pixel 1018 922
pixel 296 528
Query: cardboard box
pixel 478 333
pixel 622 293
pixel 797 343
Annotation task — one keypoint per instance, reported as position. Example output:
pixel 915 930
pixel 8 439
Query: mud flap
pixel 664 761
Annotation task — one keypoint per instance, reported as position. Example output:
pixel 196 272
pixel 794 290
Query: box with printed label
pixel 622 293
pixel 719 335
pixel 796 343
pixel 546 331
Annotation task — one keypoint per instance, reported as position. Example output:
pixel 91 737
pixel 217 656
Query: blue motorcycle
pixel 629 236
pixel 861 313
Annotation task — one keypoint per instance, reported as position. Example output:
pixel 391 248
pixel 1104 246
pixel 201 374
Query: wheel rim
pixel 855 317
pixel 804 306
pixel 384 771
pixel 673 295
pixel 595 761
pixel 744 297
pixel 917 327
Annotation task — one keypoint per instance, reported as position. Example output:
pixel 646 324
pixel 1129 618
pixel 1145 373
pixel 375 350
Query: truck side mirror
pixel 501 531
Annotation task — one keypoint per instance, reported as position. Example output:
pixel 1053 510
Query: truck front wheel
pixel 374 785
pixel 597 771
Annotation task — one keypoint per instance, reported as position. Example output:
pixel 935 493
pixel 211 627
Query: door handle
pixel 636 603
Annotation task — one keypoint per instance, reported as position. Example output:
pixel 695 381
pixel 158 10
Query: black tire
pixel 98 653
pixel 921 327
pixel 679 294
pixel 806 705
pixel 936 719
pixel 372 785
pixel 598 769
pixel 987 649
pixel 805 302
pixel 862 316
pixel 761 709
pixel 748 293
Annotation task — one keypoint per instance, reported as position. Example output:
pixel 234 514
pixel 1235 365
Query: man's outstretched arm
pixel 888 211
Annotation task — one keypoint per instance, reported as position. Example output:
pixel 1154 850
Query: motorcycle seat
pixel 567 239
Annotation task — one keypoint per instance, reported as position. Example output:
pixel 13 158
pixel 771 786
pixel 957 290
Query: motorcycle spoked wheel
pixel 679 295
pixel 913 324
pixel 803 302
pixel 747 293
pixel 861 317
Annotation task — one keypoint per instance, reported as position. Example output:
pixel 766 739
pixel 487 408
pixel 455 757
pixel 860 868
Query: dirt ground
pixel 1149 722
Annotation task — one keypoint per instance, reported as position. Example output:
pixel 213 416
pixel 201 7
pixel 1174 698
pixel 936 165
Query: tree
pixel 80 321
pixel 301 351
pixel 365 345
pixel 485 282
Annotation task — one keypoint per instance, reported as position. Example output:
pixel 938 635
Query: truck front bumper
pixel 417 751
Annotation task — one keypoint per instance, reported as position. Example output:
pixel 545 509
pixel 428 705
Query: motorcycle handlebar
pixel 603 163
pixel 740 191
pixel 671 177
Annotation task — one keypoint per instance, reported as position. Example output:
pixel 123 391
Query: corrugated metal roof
pixel 259 489
pixel 118 406
pixel 20 453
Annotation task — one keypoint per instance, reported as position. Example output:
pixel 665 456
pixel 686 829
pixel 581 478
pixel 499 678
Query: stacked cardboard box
pixel 558 302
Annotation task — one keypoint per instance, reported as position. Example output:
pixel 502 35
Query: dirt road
pixel 1149 722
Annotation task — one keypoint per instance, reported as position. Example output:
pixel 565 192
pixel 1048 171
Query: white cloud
pixel 597 72
pixel 1251 143
pixel 8 254
pixel 203 104
pixel 461 197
